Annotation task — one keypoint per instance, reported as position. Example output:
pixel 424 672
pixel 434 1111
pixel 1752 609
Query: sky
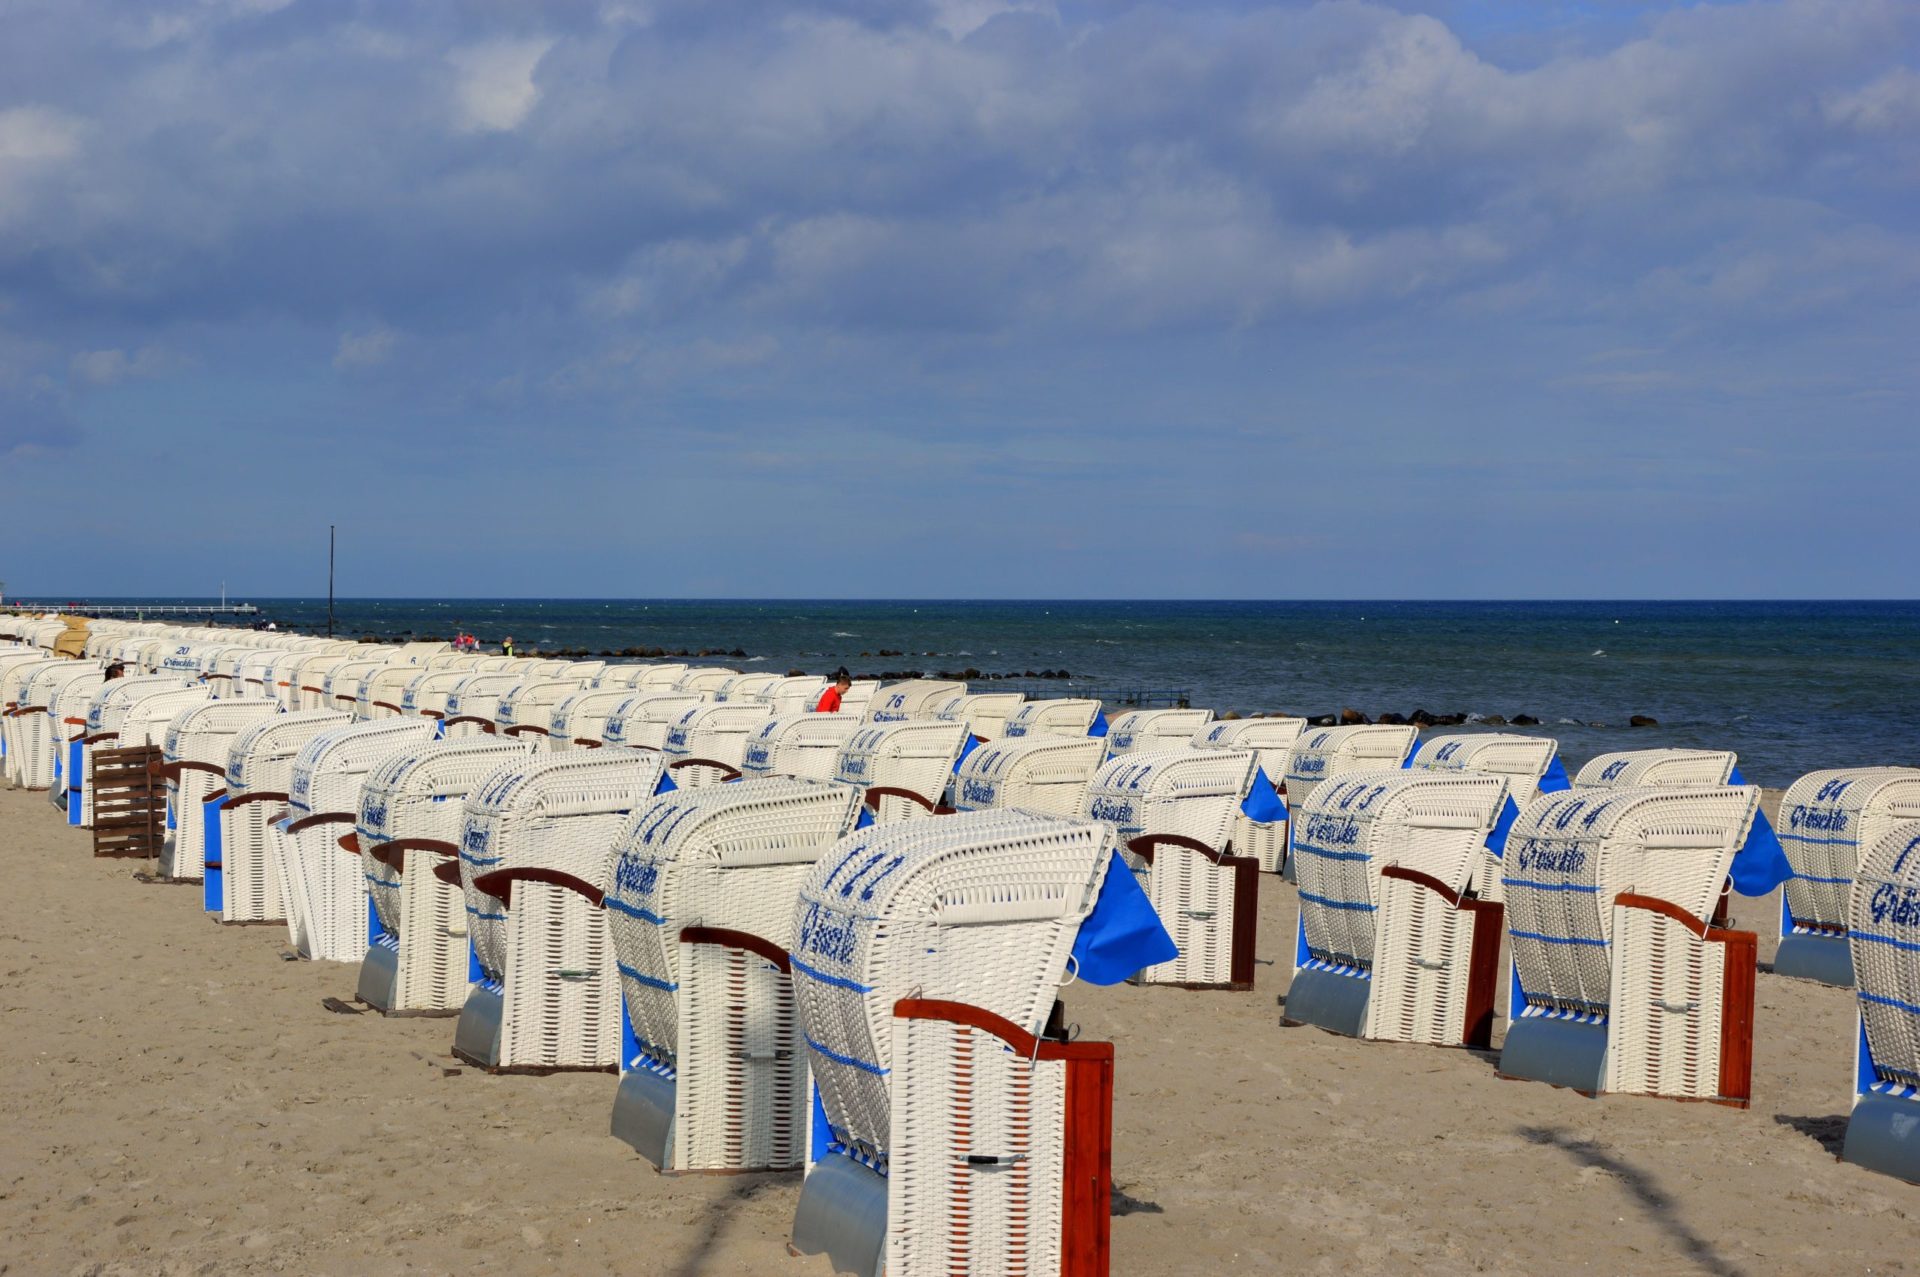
pixel 960 298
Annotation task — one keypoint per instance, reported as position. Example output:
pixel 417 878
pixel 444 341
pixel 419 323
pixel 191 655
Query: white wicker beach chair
pixel 642 720
pixel 858 697
pixel 68 691
pixel 1144 729
pixel 902 767
pixel 707 744
pixel 641 678
pixel 699 903
pixel 1174 812
pixel 1883 930
pixel 198 742
pixel 1321 753
pixel 382 691
pixel 579 721
pixel 250 675
pixel 474 702
pixel 1272 741
pixel 1620 983
pixel 1389 944
pixel 745 687
pixel 328 915
pixel 801 745
pixel 984 713
pixel 1526 762
pixel 1045 774
pixel 412 806
pixel 345 681
pixel 107 713
pixel 16 671
pixel 243 857
pixel 527 710
pixel 925 961
pixel 536 838
pixel 426 694
pixel 796 694
pixel 1065 717
pixel 704 681
pixel 1637 768
pixel 309 690
pixel 913 699
pixel 418 652
pixel 1826 817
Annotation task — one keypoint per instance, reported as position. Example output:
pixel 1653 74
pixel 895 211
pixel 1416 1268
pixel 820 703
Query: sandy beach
pixel 178 1100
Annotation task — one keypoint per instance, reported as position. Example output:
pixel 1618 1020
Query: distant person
pixel 116 670
pixel 506 645
pixel 830 699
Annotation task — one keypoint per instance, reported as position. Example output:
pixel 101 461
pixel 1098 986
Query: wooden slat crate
pixel 129 801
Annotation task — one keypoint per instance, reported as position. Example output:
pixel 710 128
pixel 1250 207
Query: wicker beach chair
pixel 427 693
pixel 901 767
pixel 984 713
pixel 383 691
pixel 1637 768
pixel 641 678
pixel 707 743
pixel 1883 931
pixel 243 856
pixel 68 692
pixel 1064 717
pixel 419 652
pixel 1174 810
pixel 198 742
pixel 345 682
pixel 328 917
pixel 536 838
pixel 1826 817
pixel 1321 753
pixel 474 702
pixel 913 699
pixel 704 681
pixel 1620 983
pixel 579 720
pixel 745 687
pixel 1531 765
pixel 801 745
pixel 925 962
pixel 527 710
pixel 17 669
pixel 1146 729
pixel 107 714
pixel 1272 741
pixel 1389 944
pixel 699 904
pixel 1044 774
pixel 412 806
pixel 796 694
pixel 643 719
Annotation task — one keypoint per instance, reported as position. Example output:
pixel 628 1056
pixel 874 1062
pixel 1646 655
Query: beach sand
pixel 177 1100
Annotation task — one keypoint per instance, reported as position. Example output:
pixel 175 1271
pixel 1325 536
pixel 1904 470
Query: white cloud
pixel 108 367
pixel 29 133
pixel 495 91
pixel 367 349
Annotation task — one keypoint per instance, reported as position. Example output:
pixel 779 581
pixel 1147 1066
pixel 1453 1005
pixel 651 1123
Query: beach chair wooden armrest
pixel 218 795
pixel 522 729
pixel 350 843
pixel 97 737
pixel 258 796
pixel 387 705
pixel 876 792
pixel 732 772
pixel 393 853
pixel 485 724
pixel 431 713
pixel 500 882
pixel 321 818
pixel 733 939
pixel 1700 978
pixel 448 871
pixel 1144 846
pixel 173 771
pixel 582 742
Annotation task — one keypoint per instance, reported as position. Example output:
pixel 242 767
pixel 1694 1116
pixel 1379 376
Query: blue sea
pixel 1792 686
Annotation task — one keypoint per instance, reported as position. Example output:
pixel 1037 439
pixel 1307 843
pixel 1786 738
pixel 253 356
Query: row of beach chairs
pixel 799 937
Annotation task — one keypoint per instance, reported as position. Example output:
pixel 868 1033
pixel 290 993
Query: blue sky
pixel 962 297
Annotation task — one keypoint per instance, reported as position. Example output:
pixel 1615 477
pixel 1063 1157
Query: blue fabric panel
pixel 1123 933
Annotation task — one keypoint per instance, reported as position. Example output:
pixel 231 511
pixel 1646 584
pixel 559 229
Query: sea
pixel 1791 686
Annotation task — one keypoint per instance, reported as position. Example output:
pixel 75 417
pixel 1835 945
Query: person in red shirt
pixel 830 699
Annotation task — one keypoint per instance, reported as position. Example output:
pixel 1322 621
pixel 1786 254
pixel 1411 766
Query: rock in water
pixel 1643 720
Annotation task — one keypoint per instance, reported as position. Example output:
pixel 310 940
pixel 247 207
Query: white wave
pixel 845 634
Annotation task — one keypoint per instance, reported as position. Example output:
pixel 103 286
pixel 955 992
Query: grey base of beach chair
pixel 843 1215
pixel 1810 956
pixel 1558 1052
pixel 379 978
pixel 643 1110
pixel 1328 1000
pixel 1884 1135
pixel 476 1039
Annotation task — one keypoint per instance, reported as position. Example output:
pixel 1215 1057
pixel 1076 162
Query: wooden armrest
pixel 584 743
pixel 500 882
pixel 876 792
pixel 486 724
pixel 321 818
pixel 172 771
pixel 262 797
pixel 1017 1039
pixel 350 843
pixel 1654 904
pixel 386 705
pixel 1428 881
pixel 97 737
pixel 1144 846
pixel 448 871
pixel 393 853
pixel 732 772
pixel 217 796
pixel 522 728
pixel 738 940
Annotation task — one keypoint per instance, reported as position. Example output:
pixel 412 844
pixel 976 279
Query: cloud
pixel 365 349
pixel 495 89
pixel 107 367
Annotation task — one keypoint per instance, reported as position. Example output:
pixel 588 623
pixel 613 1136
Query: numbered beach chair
pixel 1390 946
pixel 955 1136
pixel 1065 717
pixel 797 694
pixel 1620 983
pixel 1531 765
pixel 243 832
pixel 1044 774
pixel 913 699
pixel 703 682
pixel 902 767
pixel 707 744
pixel 1272 741
pixel 1883 930
pixel 1322 753
pixel 412 805
pixel 419 652
pixel 382 691
pixel 1637 768
pixel 745 687
pixel 328 917
pixel 528 709
pixel 804 746
pixel 1174 811
pixel 107 715
pixel 984 713
pixel 699 904
pixel 643 719
pixel 535 841
pixel 198 742
pixel 474 703
pixel 1145 729
pixel 579 720
pixel 1825 818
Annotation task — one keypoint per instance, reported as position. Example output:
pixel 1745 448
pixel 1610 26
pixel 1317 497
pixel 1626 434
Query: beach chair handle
pixel 1145 845
pixel 744 940
pixel 524 728
pixel 486 724
pixel 584 743
pixel 321 818
pixel 393 853
pixel 263 796
pixel 732 772
pixel 876 792
pixel 499 883
pixel 173 771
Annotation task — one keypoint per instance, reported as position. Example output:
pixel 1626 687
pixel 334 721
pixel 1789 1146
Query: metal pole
pixel 329 580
